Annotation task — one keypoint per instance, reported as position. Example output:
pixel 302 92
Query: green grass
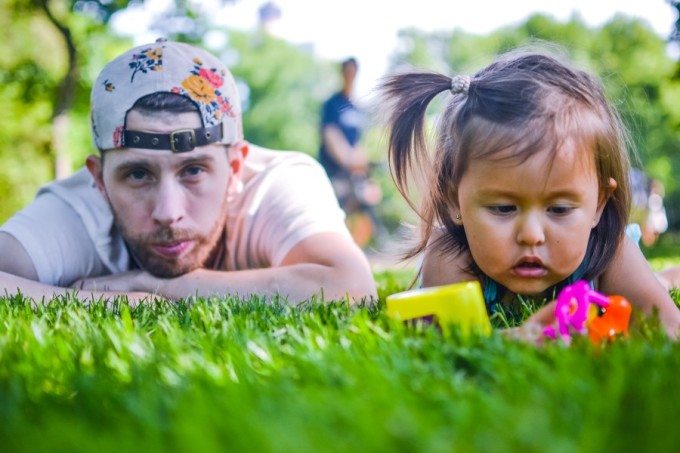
pixel 232 375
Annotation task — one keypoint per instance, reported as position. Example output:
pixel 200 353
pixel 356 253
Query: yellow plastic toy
pixel 461 304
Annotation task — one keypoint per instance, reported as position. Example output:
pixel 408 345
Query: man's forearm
pixel 11 285
pixel 296 283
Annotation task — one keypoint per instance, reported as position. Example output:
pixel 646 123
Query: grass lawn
pixel 246 376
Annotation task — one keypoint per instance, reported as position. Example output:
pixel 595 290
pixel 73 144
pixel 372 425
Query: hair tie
pixel 460 84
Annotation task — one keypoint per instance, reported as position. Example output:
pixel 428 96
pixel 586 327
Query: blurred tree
pixel 48 49
pixel 675 35
pixel 186 20
pixel 629 57
pixel 68 18
pixel 282 88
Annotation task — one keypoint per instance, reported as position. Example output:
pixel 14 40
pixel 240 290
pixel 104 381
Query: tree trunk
pixel 64 99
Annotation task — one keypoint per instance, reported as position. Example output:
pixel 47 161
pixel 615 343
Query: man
pixel 345 160
pixel 177 203
pixel 342 124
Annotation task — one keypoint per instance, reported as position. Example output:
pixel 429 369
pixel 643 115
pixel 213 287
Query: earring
pixel 459 219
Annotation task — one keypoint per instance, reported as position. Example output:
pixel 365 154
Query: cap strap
pixel 179 141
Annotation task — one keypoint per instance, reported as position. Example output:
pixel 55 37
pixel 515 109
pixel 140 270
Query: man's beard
pixel 197 257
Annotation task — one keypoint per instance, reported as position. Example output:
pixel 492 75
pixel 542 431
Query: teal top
pixel 493 293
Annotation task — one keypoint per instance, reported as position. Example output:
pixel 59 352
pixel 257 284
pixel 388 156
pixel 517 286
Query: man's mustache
pixel 165 235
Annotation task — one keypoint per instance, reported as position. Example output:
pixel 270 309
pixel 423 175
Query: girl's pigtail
pixel 407 96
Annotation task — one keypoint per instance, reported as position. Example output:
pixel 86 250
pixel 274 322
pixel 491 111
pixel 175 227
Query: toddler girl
pixel 528 187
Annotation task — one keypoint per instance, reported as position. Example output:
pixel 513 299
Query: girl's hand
pixel 670 320
pixel 630 276
pixel 532 329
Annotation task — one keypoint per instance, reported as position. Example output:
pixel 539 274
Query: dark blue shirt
pixel 339 111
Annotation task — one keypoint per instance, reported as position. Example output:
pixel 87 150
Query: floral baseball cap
pixel 170 67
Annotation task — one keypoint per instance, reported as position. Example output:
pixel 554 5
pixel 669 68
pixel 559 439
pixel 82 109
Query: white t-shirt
pixel 68 230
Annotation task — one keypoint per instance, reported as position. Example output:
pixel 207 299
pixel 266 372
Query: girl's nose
pixel 530 230
pixel 168 204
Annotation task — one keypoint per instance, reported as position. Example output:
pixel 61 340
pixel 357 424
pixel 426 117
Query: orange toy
pixel 609 321
pixel 581 310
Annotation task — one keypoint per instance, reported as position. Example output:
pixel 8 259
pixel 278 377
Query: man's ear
pixel 236 155
pixel 604 197
pixel 94 165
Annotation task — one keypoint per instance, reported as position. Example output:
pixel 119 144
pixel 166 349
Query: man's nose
pixel 168 204
pixel 530 230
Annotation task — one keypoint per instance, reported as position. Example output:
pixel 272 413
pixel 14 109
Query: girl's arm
pixel 442 269
pixel 630 276
pixel 670 278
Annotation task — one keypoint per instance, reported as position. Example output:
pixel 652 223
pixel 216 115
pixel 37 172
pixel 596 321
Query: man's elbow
pixel 14 259
pixel 357 285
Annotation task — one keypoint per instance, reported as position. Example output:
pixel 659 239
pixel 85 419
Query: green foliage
pixel 224 374
pixel 285 86
pixel 32 64
pixel 26 80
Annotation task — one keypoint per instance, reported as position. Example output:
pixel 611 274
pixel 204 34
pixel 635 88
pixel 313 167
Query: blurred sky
pixel 367 29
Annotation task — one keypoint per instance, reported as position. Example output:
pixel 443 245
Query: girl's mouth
pixel 530 267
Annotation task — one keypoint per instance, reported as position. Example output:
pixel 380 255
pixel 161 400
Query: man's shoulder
pixel 264 160
pixel 79 181
pixel 286 197
pixel 80 192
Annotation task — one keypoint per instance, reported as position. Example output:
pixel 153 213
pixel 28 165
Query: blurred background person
pixel 656 221
pixel 346 162
pixel 648 210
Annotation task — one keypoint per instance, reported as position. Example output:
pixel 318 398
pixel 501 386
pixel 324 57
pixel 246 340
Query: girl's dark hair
pixel 526 102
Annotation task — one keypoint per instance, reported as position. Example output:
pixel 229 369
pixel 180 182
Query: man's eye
pixel 502 209
pixel 138 175
pixel 194 170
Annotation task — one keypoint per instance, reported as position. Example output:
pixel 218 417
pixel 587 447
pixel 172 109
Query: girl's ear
pixel 94 165
pixel 454 210
pixel 604 197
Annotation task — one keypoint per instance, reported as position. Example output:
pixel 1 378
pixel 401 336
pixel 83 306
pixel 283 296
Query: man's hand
pixel 352 158
pixel 133 298
pixel 125 282
pixel 357 161
pixel 132 285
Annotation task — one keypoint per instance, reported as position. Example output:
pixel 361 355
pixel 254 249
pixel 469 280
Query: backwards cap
pixel 165 67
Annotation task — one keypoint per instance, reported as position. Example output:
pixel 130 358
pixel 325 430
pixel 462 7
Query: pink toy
pixel 572 310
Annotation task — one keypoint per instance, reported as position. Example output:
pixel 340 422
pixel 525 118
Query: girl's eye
pixel 502 209
pixel 560 210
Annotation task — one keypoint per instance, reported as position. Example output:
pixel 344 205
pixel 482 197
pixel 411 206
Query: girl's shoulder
pixel 440 267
